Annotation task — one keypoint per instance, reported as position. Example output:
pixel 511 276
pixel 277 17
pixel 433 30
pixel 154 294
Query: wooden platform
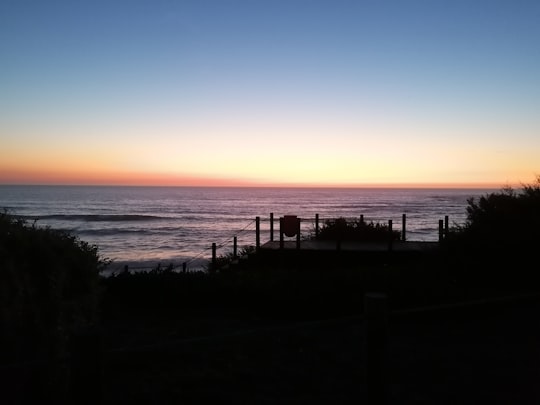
pixel 352 246
pixel 314 253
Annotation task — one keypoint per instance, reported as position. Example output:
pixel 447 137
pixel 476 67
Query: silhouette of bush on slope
pixel 48 287
pixel 501 235
pixel 507 219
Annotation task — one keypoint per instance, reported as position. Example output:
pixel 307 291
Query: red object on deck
pixel 290 225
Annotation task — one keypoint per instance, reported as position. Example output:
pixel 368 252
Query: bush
pixel 356 230
pixel 48 290
pixel 508 219
pixel 497 245
pixel 228 258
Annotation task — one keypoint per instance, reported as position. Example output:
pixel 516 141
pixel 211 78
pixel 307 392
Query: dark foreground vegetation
pixel 50 291
pixel 356 230
pixel 282 331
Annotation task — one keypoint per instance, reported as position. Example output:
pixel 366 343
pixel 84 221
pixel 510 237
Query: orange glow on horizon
pixel 113 179
pixel 29 177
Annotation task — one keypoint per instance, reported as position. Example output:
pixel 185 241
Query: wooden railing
pixel 286 222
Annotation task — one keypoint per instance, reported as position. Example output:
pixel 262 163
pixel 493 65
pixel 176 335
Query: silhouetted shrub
pixel 48 290
pixel 356 230
pixel 228 258
pixel 497 245
pixel 507 219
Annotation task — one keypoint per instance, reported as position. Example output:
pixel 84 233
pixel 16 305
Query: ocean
pixel 147 226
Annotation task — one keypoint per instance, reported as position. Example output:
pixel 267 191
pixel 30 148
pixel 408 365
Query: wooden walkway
pixel 352 246
pixel 323 253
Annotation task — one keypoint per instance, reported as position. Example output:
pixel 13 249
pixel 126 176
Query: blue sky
pixel 294 92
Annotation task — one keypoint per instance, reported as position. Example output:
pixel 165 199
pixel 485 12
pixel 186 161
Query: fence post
pixel 298 233
pixel 214 256
pixel 362 219
pixel 281 242
pixel 440 230
pixel 257 233
pixel 271 227
pixel 403 227
pixel 446 229
pixel 316 226
pixel 390 236
pixel 235 247
pixel 376 316
pixel 184 267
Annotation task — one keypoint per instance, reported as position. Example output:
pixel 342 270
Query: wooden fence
pixel 290 225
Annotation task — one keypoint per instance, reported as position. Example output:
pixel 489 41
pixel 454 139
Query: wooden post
pixel 316 226
pixel 446 229
pixel 390 236
pixel 235 247
pixel 376 316
pixel 184 267
pixel 298 234
pixel 271 227
pixel 214 256
pixel 440 230
pixel 257 233
pixel 281 242
pixel 362 219
pixel 403 227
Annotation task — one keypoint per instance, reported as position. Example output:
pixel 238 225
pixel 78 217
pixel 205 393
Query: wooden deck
pixel 351 246
pixel 324 253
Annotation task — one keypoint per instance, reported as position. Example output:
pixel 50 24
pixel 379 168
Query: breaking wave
pixel 97 218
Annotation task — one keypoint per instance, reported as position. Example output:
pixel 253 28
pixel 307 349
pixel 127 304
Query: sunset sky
pixel 222 92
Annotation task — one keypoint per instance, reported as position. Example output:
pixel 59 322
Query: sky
pixel 295 92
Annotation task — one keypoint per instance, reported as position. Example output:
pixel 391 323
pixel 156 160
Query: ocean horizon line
pixel 287 186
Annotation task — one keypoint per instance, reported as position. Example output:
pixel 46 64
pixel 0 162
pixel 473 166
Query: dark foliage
pixel 498 244
pixel 356 230
pixel 507 218
pixel 227 259
pixel 48 290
